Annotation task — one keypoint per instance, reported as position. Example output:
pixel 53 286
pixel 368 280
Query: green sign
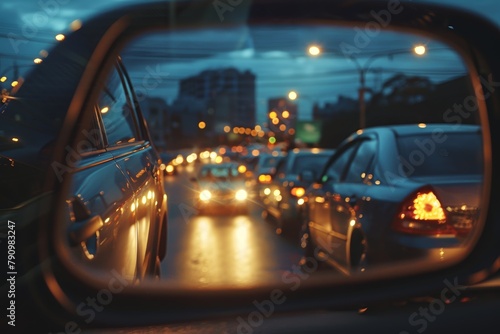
pixel 308 132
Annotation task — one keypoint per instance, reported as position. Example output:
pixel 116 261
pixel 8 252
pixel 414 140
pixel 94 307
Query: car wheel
pixel 358 252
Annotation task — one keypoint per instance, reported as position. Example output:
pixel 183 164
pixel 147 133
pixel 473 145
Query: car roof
pixel 308 151
pixel 422 128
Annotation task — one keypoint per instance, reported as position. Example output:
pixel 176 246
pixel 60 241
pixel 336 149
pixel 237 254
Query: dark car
pixel 220 187
pixel 114 202
pixel 394 193
pixel 293 174
pixel 264 170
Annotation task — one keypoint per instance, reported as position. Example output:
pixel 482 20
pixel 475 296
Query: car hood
pixel 221 185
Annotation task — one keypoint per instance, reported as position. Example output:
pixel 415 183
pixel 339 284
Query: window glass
pixel 117 112
pixel 361 161
pixel 450 154
pixel 338 166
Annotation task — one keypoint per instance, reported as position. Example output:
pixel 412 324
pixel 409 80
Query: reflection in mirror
pixel 393 117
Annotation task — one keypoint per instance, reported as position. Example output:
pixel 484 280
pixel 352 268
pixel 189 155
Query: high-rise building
pixel 228 97
pixel 282 117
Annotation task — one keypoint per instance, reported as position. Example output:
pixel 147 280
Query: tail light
pixel 423 214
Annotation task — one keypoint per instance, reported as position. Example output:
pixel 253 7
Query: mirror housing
pixel 67 287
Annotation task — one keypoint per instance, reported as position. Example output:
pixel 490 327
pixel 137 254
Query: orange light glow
pixel 264 178
pixel 242 169
pixel 298 191
pixel 427 207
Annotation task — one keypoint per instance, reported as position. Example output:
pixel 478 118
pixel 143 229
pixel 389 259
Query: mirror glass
pixel 387 123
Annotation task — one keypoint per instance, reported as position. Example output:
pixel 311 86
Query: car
pixel 264 170
pixel 395 193
pixel 292 176
pixel 220 186
pixel 115 213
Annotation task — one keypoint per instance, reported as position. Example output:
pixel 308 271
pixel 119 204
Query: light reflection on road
pixel 221 249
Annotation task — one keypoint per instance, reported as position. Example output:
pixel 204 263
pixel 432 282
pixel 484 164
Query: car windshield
pixel 458 154
pixel 219 173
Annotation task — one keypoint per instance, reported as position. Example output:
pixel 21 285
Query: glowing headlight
pixel 241 195
pixel 169 169
pixel 205 195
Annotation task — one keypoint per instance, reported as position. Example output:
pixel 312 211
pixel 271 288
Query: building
pixel 282 117
pixel 228 97
pixel 155 110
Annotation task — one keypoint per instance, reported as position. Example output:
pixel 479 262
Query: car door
pixel 349 198
pixel 322 202
pixel 100 222
pixel 128 142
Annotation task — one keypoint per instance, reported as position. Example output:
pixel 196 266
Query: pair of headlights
pixel 239 195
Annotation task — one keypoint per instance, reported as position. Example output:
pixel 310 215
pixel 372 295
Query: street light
pixel 419 50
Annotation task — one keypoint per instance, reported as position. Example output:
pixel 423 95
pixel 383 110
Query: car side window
pixel 117 112
pixel 336 169
pixel 359 167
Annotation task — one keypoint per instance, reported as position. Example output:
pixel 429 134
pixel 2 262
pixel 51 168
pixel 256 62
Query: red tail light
pixel 423 214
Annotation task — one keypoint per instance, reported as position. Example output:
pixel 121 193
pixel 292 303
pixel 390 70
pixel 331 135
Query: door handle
pixel 85 225
pixel 82 230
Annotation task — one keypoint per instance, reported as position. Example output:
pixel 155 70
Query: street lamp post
pixel 362 69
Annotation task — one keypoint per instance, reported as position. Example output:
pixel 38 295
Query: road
pixel 220 249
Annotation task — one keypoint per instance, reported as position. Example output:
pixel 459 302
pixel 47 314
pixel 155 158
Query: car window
pixel 451 154
pixel 220 172
pixel 337 167
pixel 117 112
pixel 361 162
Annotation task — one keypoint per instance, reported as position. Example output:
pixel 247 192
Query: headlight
pixel 241 195
pixel 298 191
pixel 169 169
pixel 205 195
